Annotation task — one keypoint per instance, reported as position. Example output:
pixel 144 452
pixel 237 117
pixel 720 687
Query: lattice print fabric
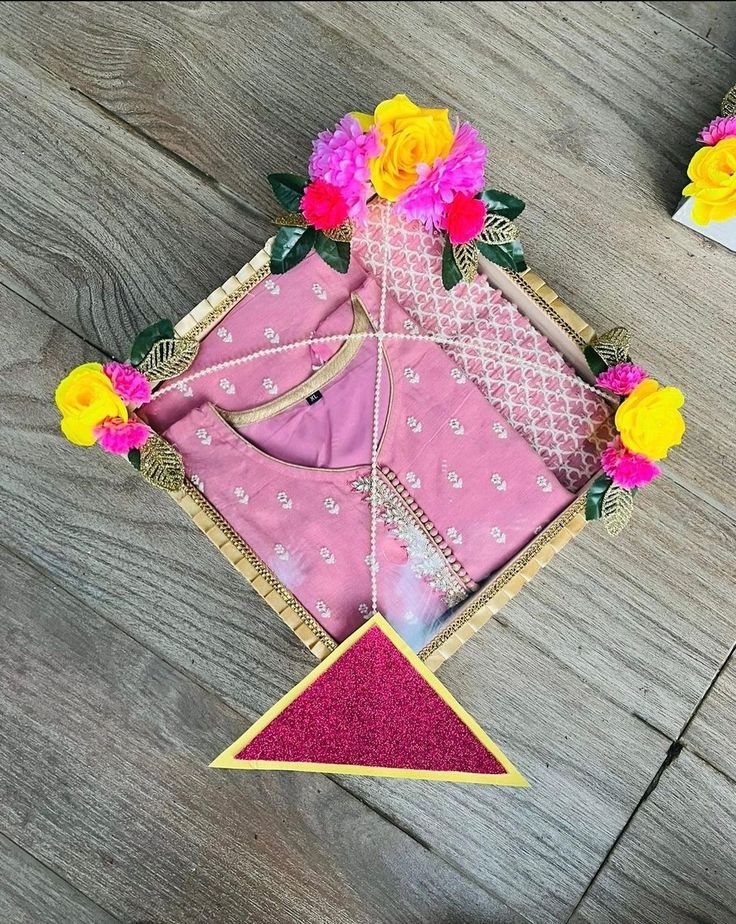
pixel 491 341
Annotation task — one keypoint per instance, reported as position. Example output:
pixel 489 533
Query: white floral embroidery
pixel 413 480
pixel 197 482
pixel 203 436
pixel 369 558
pixel 281 552
pixel 283 498
pixel 242 497
pixel 544 484
pixel 410 327
pixel 459 376
pixel 457 428
pixel 224 334
pixel 270 334
pixel 411 375
pixel 454 536
pixel 324 611
pixel 272 287
pixel 185 389
pixel 327 556
pixel 364 610
pixel 413 424
pixel 332 506
pixel 227 386
pixel 500 431
pixel 499 536
pixel 319 291
pixel 454 479
pixel 498 482
pixel 270 386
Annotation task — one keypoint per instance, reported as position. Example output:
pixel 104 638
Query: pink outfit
pixel 460 492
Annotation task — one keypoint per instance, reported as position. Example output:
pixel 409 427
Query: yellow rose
pixel 410 136
pixel 713 174
pixel 649 420
pixel 86 398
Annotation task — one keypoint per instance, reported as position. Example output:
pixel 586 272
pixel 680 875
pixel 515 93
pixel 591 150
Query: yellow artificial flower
pixel 86 398
pixel 649 420
pixel 713 174
pixel 410 136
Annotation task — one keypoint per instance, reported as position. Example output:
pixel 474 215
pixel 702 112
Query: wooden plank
pixel 102 230
pixel 711 732
pixel 81 518
pixel 109 785
pixel 588 109
pixel 30 892
pixel 676 862
pixel 712 20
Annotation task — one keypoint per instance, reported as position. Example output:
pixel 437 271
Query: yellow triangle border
pixel 512 777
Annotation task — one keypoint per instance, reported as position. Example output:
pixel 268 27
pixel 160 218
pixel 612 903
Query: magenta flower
pixel 721 127
pixel 622 378
pixel 462 171
pixel 114 435
pixel 341 158
pixel 627 469
pixel 129 384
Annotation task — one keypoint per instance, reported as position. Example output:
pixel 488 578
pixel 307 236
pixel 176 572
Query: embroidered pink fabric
pixel 460 492
pixel 553 410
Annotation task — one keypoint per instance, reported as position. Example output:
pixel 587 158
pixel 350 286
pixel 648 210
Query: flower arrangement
pixel 410 156
pixel 648 423
pixel 712 171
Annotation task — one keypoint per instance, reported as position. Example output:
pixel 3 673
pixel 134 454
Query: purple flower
pixel 341 158
pixel 129 383
pixel 622 378
pixel 721 127
pixel 627 469
pixel 462 171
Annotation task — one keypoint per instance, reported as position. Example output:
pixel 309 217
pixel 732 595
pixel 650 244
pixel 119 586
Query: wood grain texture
pixel 89 519
pixel 712 20
pixel 108 783
pixel 590 111
pixel 30 892
pixel 712 732
pixel 676 862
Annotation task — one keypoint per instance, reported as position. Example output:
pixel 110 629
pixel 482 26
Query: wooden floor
pixel 135 143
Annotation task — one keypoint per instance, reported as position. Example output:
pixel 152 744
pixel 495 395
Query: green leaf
pixel 502 203
pixel 134 457
pixel 336 254
pixel 451 274
pixel 595 361
pixel 290 247
pixel 510 256
pixel 144 342
pixel 288 189
pixel 594 498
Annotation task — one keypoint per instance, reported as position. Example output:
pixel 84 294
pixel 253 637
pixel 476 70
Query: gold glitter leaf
pixel 161 464
pixel 342 233
pixel 291 220
pixel 466 258
pixel 498 230
pixel 167 358
pixel 616 509
pixel 613 346
pixel 728 106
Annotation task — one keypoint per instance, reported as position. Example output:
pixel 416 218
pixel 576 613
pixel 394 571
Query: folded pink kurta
pixel 459 491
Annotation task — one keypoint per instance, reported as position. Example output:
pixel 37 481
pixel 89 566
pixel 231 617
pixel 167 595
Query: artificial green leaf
pixel 134 457
pixel 144 342
pixel 288 189
pixel 336 254
pixel 502 203
pixel 451 274
pixel 510 256
pixel 290 246
pixel 595 361
pixel 594 497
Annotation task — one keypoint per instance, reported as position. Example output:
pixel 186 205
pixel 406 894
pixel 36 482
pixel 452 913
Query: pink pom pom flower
pixel 627 469
pixel 462 171
pixel 721 127
pixel 464 219
pixel 622 378
pixel 323 205
pixel 129 383
pixel 114 435
pixel 341 158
